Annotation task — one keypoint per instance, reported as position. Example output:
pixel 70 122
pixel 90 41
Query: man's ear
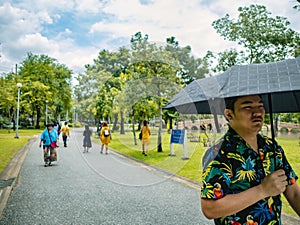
pixel 228 114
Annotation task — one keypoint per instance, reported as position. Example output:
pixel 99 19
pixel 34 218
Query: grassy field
pixel 190 168
pixel 9 145
pixel 292 151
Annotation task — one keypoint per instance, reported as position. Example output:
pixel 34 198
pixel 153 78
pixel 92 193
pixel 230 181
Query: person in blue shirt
pixel 48 136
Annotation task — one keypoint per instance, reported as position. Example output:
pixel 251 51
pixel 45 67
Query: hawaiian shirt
pixel 237 167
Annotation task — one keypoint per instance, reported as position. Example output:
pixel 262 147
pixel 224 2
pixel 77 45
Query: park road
pixel 93 188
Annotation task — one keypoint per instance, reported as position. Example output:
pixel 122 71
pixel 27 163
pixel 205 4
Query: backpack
pixel 106 132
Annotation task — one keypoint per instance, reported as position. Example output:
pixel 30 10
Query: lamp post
pixel 19 85
pixel 46 112
pixel 74 116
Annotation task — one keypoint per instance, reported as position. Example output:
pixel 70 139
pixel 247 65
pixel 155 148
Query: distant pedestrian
pixel 48 136
pixel 65 132
pixel 104 137
pixel 99 128
pixel 87 144
pixel 145 137
pixel 56 127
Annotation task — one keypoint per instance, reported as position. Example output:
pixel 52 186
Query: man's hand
pixel 275 183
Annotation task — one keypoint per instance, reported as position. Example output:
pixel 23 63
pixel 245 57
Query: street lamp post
pixel 74 116
pixel 19 85
pixel 46 112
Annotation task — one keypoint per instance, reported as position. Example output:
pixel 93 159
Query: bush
pixel 284 130
pixel 77 124
pixel 295 130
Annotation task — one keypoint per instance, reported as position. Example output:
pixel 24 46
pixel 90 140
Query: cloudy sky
pixel 74 31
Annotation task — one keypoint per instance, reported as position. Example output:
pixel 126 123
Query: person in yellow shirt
pixel 145 137
pixel 65 132
pixel 104 137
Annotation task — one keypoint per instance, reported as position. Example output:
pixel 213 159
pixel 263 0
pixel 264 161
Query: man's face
pixel 248 114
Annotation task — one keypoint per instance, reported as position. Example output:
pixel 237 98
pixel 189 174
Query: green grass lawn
pixel 292 151
pixel 190 168
pixel 9 145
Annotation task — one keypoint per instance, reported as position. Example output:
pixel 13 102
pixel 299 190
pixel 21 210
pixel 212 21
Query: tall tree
pixel 44 80
pixel 190 68
pixel 8 96
pixel 157 68
pixel 225 59
pixel 264 38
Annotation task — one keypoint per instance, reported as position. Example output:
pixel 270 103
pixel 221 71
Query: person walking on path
pixel 57 127
pixel 104 137
pixel 48 136
pixel 244 182
pixel 145 137
pixel 87 144
pixel 65 132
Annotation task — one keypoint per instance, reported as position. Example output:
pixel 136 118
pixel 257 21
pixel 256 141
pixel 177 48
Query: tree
pixel 190 68
pixel 8 96
pixel 155 67
pixel 225 59
pixel 297 7
pixel 264 39
pixel 44 80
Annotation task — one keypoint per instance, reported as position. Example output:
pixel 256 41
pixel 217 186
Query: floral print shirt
pixel 237 167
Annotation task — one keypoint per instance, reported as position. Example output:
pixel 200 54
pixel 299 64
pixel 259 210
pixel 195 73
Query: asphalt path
pixel 93 188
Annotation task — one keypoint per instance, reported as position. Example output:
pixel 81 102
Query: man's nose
pixel 258 110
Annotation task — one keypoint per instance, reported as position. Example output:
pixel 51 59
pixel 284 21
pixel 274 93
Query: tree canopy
pixel 262 38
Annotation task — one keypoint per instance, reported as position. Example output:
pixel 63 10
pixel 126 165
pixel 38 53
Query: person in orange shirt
pixel 104 137
pixel 145 137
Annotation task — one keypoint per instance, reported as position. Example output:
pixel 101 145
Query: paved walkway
pixel 93 188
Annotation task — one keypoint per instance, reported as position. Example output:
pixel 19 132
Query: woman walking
pixel 87 144
pixel 145 137
pixel 105 137
pixel 49 138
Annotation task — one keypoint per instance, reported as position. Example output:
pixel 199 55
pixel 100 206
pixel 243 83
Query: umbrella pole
pixel 271 116
pixel 216 122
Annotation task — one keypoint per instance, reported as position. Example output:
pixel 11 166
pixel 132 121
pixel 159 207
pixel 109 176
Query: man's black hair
pixel 229 102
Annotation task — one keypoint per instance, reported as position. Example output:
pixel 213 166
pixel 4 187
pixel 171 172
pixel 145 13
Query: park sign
pixel 178 137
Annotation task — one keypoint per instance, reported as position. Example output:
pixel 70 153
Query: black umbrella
pixel 277 82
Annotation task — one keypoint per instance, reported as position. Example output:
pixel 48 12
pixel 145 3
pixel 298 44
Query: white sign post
pixel 179 137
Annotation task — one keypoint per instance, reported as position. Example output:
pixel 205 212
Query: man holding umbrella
pixel 244 180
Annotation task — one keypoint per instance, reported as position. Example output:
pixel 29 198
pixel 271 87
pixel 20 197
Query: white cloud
pixel 88 6
pixel 190 23
pixel 23 26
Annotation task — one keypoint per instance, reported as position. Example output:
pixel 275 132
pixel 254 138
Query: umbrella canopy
pixel 278 80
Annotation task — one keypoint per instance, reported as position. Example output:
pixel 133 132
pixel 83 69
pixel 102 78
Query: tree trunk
pixel 32 119
pixel 38 117
pixel 171 123
pixel 159 144
pixel 122 130
pixel 115 122
pixel 133 130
